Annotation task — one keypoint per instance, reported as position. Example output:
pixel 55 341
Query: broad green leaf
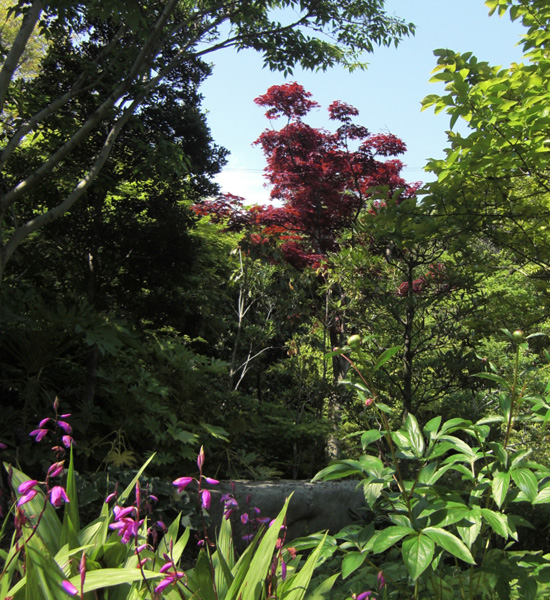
pixel 543 497
pixel 385 357
pixel 470 528
pixel 432 426
pixel 455 424
pixel 339 469
pixel 415 435
pixel 104 578
pixel 202 577
pixel 43 576
pixel 418 552
pixel 372 490
pixel 386 538
pixel 459 444
pixel 450 543
pixel 369 437
pixel 500 485
pixel 324 589
pixel 497 522
pixel 352 561
pixel 526 481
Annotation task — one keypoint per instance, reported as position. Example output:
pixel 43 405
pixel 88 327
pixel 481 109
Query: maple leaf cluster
pixel 320 180
pixel 435 277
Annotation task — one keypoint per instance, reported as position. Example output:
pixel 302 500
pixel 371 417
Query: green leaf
pixel 497 522
pixel 385 357
pixel 324 589
pixel 526 481
pixel 49 528
pixel 493 377
pixel 432 426
pixel 299 583
pixel 339 469
pixel 71 518
pixel 216 431
pixel 386 538
pixel 418 552
pixel 415 435
pixel 470 528
pixel 500 485
pixel 132 485
pixel 543 497
pixel 103 578
pixel 372 490
pixel 369 437
pixel 450 543
pixel 261 561
pixel 352 561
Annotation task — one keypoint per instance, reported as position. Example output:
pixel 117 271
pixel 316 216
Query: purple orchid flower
pixel 58 495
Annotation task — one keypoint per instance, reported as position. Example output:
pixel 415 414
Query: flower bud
pixel 354 341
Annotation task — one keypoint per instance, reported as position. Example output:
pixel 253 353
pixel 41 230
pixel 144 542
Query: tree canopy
pixel 118 54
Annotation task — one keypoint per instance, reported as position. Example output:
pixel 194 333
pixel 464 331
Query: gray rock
pixel 320 506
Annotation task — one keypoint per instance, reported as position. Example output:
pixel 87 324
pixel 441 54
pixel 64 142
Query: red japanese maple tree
pixel 321 180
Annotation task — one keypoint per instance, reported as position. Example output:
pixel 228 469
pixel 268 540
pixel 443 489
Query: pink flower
pixel 56 469
pixel 65 426
pixel 200 458
pixel 2 446
pixel 369 401
pixel 69 588
pixel 110 497
pixel 27 485
pixel 58 496
pixel 364 595
pixel 67 441
pixel 182 483
pixel 26 497
pixel 38 434
pixel 283 570
pixel 169 580
pixel 205 498
pixel 211 481
pixel 127 526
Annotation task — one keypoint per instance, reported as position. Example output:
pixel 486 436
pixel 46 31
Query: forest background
pixel 167 318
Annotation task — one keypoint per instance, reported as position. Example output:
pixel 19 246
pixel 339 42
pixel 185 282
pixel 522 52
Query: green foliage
pixel 52 553
pixel 494 177
pixel 446 499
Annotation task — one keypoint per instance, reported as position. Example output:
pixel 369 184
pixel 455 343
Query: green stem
pixel 387 434
pixel 513 398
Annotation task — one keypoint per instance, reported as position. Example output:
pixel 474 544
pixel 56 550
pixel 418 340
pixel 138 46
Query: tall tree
pixel 323 181
pixel 495 178
pixel 122 51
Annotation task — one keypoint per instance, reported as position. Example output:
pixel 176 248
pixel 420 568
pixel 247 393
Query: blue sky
pixel 387 95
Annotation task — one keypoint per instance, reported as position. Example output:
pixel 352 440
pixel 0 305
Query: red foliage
pixel 434 278
pixel 321 182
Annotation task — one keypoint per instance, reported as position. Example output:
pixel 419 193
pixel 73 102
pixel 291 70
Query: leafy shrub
pixel 446 498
